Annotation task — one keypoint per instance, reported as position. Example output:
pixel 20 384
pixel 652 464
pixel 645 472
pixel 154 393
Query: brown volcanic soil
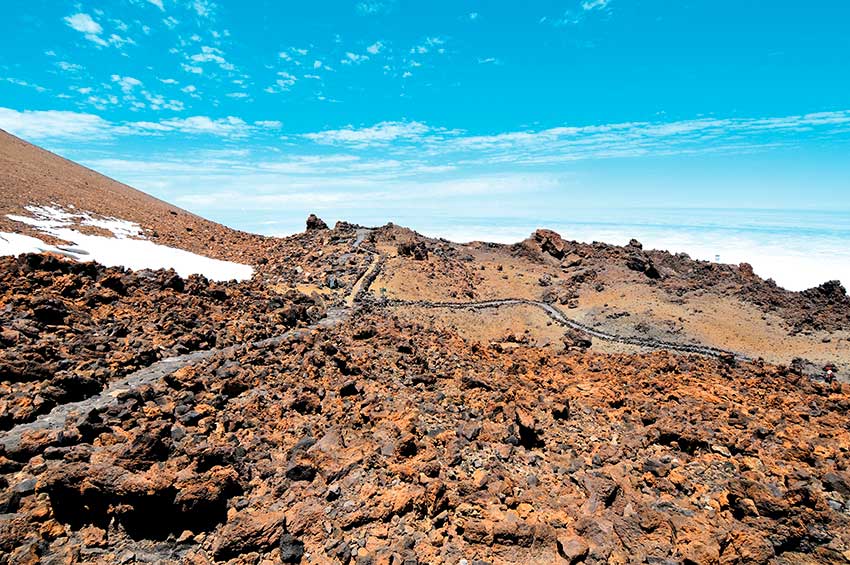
pixel 383 441
pixel 349 405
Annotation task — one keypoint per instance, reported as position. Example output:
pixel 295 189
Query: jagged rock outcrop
pixel 315 223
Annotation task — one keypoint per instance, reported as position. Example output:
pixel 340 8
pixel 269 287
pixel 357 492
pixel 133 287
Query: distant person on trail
pixel 830 373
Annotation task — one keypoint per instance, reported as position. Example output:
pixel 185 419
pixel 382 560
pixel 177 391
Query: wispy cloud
pixel 69 67
pixel 93 31
pixel 196 125
pixel 24 83
pixel 284 82
pixel 381 133
pixel 193 69
pixel 576 16
pixel 372 7
pixel 127 84
pixel 588 5
pixel 204 8
pixel 405 142
pixel 87 26
pixel 212 55
pixel 428 45
pixel 54 125
pixel 353 58
pixel 571 143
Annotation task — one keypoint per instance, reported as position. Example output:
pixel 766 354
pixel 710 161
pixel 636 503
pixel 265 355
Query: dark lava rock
pixel 417 250
pixel 315 223
pixel 643 265
pixel 301 472
pixel 291 549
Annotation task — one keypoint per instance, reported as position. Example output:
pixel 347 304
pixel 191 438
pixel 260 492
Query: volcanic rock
pixel 315 223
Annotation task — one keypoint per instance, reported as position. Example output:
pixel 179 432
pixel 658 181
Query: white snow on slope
pixel 120 250
pixel 50 218
pixel 16 243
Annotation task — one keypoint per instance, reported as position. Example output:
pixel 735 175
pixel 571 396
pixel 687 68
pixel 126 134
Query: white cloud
pixel 19 82
pixel 168 81
pixel 158 4
pixel 473 16
pixel 381 133
pixel 565 144
pixel 196 125
pixel 430 44
pixel 285 82
pixel 374 7
pixel 375 48
pixel 127 84
pixel 92 31
pixel 212 55
pixel 204 8
pixel 84 24
pixel 52 124
pixel 354 58
pixel 118 41
pixel 594 4
pixel 192 69
pixel 59 125
pixel 69 67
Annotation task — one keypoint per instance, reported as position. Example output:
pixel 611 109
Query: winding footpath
pixel 559 317
pixel 55 420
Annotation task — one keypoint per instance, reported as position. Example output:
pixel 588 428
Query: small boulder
pixel 416 249
pixel 246 532
pixel 643 264
pixel 572 548
pixel 551 242
pixel 291 549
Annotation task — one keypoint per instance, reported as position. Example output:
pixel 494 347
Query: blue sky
pixel 255 113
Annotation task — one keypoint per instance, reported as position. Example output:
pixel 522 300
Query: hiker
pixel 830 373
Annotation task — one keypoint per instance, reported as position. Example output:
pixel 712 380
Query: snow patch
pixel 122 250
pixel 49 218
pixel 16 244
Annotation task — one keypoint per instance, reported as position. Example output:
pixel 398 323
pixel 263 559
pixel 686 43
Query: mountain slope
pixel 31 176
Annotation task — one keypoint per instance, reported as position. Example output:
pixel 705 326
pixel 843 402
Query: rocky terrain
pixel 371 396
